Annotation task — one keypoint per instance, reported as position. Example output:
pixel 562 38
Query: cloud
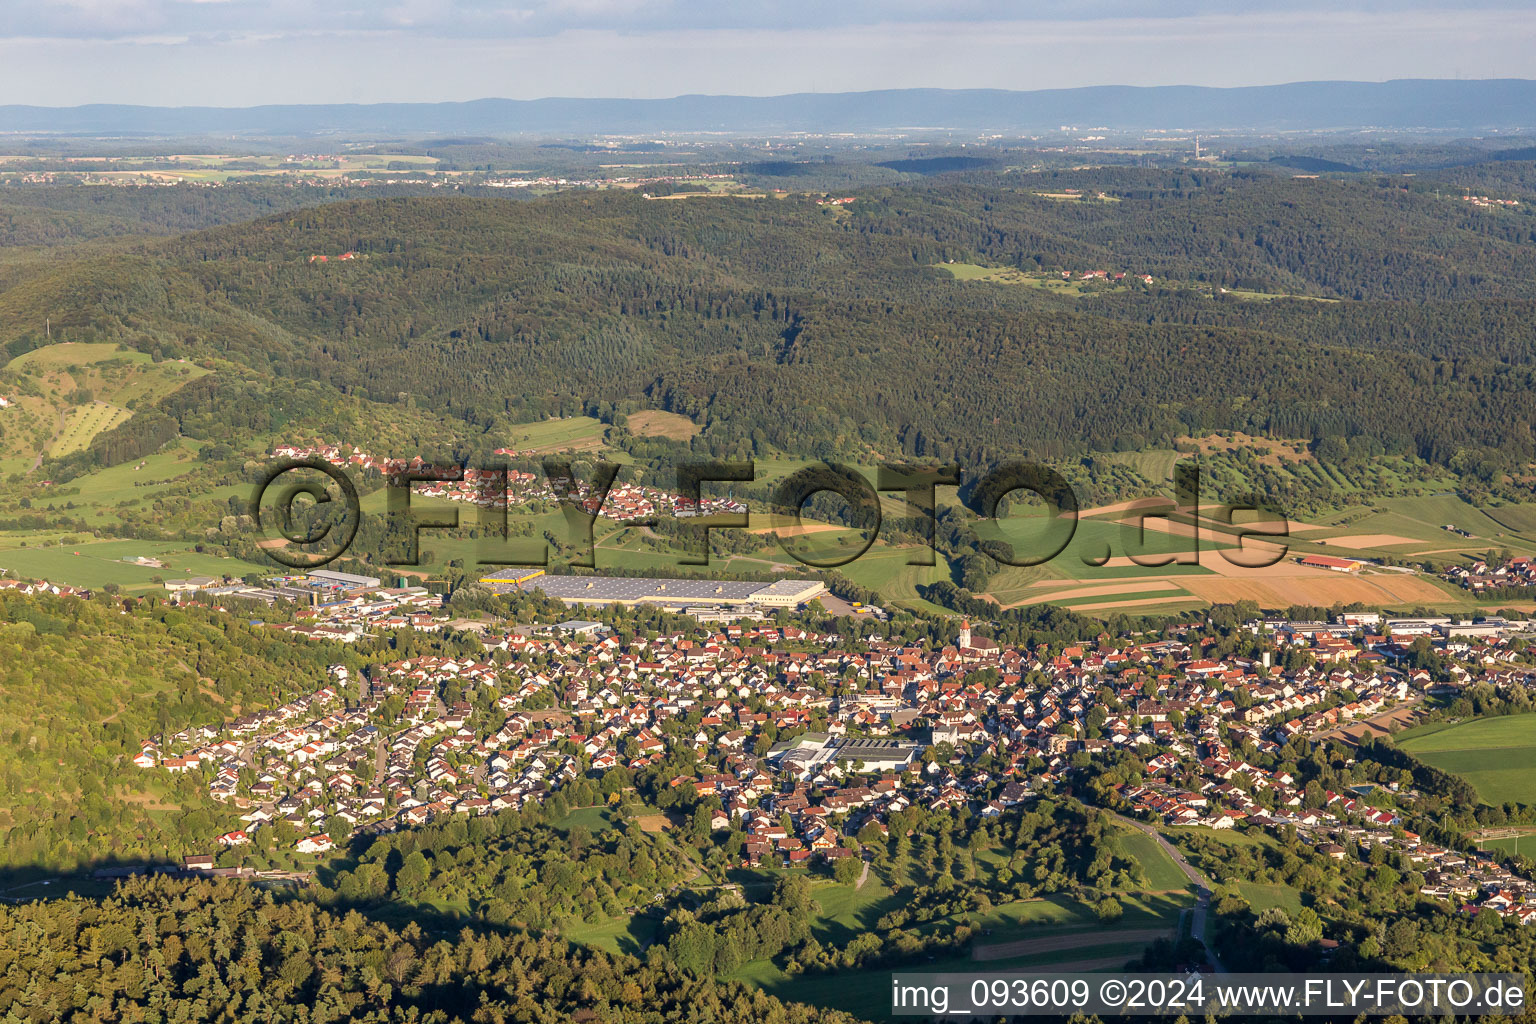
pixel 421 50
pixel 513 19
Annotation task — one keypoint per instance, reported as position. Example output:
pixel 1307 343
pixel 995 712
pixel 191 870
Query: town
pixel 1494 573
pixel 489 489
pixel 804 738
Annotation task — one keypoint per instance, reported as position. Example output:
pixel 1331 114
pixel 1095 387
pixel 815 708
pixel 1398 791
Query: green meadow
pixel 88 563
pixel 1159 870
pixel 1496 755
pixel 866 993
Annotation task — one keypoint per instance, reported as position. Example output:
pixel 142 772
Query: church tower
pixel 965 634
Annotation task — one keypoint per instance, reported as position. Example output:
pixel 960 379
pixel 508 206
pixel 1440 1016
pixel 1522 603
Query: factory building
pixel 686 595
pixel 806 754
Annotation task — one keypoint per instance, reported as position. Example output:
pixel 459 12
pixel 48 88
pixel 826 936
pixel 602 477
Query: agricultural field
pixel 1406 526
pixel 655 423
pixel 89 563
pixel 1261 897
pixel 884 569
pixel 1397 528
pixel 1052 283
pixel 1496 755
pixel 1047 934
pixel 1515 518
pixel 567 434
pixel 62 396
pixel 1127 580
pixel 1102 547
pixel 1153 464
pixel 1411 526
pixel 1130 581
pixel 132 483
pixel 223 167
pixel 711 190
pixel 84 422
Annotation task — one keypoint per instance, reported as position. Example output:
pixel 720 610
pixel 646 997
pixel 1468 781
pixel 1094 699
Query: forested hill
pixel 51 216
pixel 733 310
pixel 1405 103
pixel 162 950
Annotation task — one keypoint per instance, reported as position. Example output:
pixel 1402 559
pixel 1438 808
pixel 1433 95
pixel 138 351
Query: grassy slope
pixel 867 992
pixel 45 385
pixel 1496 755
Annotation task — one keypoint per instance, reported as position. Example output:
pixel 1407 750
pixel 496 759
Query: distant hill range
pixel 1406 104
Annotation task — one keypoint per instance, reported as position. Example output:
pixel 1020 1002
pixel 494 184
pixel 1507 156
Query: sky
pixel 249 52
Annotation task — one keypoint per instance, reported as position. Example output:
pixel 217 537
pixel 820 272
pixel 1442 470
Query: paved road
pixel 863 875
pixel 1201 883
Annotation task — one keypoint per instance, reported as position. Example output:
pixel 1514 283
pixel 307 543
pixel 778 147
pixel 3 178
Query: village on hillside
pixel 499 490
pixel 808 738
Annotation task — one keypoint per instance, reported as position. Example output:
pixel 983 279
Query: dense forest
pixel 494 312
pixel 173 951
pixel 49 216
pixel 84 682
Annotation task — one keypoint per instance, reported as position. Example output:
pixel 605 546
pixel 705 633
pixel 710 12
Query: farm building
pixel 1329 562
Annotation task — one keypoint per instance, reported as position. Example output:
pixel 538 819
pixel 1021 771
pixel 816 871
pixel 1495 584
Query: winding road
pixel 1201 883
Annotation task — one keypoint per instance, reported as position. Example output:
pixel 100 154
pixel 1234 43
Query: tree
pixel 793 893
pixel 412 877
pixel 1306 929
pixel 338 828
pixel 698 825
pixel 1402 938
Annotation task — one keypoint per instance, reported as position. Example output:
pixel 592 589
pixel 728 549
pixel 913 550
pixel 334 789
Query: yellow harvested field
pixel 1138 602
pixel 1211 535
pixel 1156 506
pixel 797 531
pixel 1277 586
pixel 655 423
pixel 1367 540
pixel 1134 505
pixel 653 822
pixel 785 526
pixel 1216 562
pixel 1400 717
pixel 1125 562
pixel 1097 589
pixel 1323 588
pixel 1229 561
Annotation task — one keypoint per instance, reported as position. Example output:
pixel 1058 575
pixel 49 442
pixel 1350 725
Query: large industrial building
pixel 689 595
pixel 806 754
